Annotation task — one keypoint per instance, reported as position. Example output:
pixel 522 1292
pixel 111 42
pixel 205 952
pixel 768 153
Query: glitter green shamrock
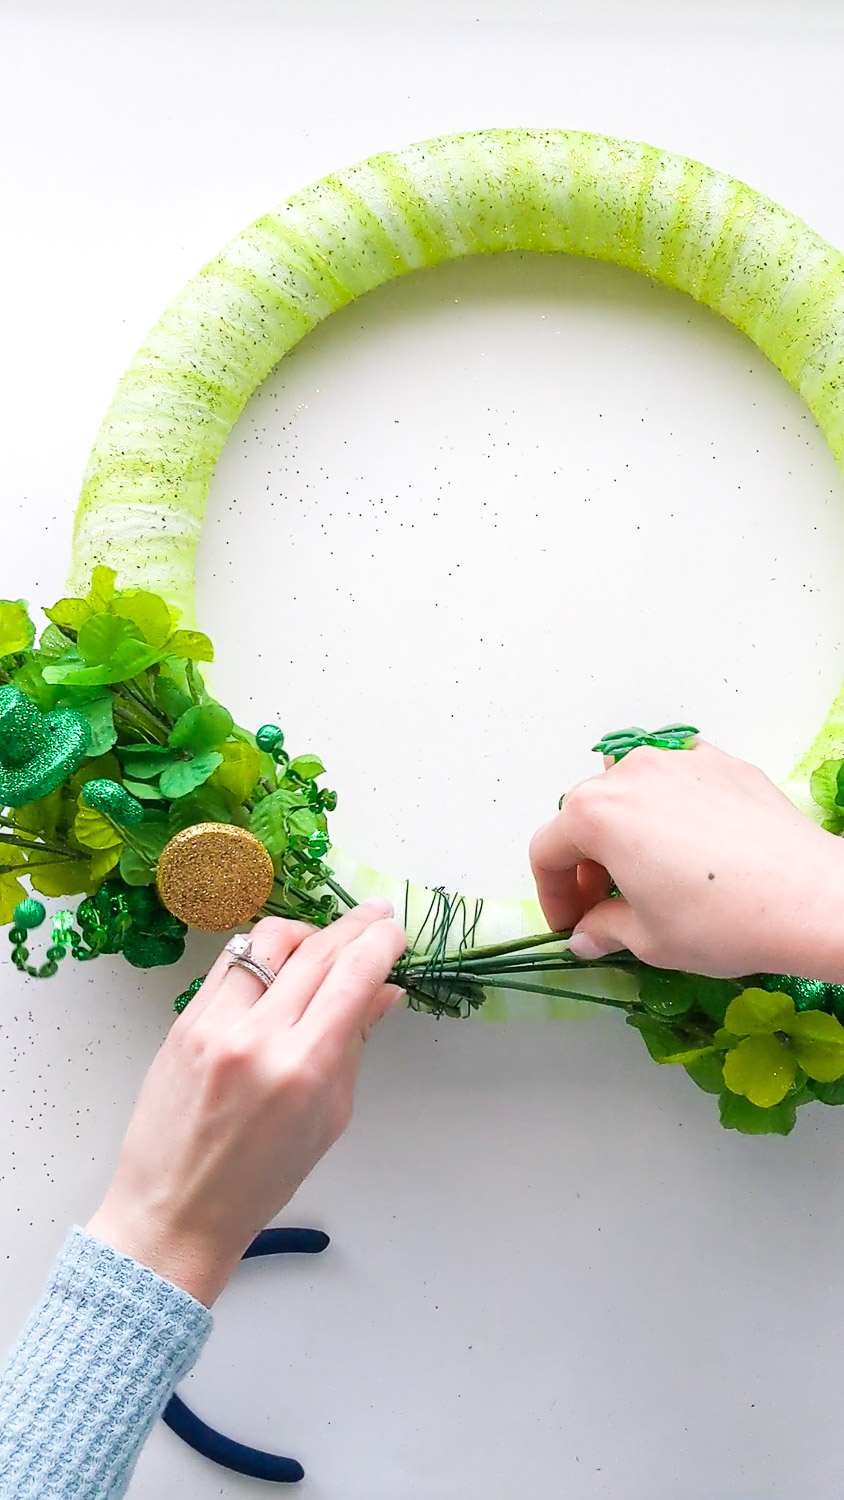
pixel 37 751
pixel 621 741
pixel 768 1041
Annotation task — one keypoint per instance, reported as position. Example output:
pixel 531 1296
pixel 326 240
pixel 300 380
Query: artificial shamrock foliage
pixel 109 746
pixel 770 1044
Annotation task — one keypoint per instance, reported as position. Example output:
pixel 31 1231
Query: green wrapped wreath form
pixel 146 486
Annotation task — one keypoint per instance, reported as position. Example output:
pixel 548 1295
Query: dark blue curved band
pixel 206 1440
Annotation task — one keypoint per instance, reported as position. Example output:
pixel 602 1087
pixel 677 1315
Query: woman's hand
pixel 249 1090
pixel 719 873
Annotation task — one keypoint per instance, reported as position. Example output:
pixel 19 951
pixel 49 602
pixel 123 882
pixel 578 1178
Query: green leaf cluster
pixel 289 819
pixel 118 659
pixel 748 1045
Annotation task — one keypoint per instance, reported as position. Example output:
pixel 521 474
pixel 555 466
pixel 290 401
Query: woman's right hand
pixel 248 1091
pixel 719 874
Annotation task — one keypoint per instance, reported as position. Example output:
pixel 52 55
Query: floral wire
pixel 439 969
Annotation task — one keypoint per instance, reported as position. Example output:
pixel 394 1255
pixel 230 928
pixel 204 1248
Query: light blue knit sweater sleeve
pixel 91 1372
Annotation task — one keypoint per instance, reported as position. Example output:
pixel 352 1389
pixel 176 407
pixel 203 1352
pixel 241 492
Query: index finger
pixel 555 858
pixel 350 998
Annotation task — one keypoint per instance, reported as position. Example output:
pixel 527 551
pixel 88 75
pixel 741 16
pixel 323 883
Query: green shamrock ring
pixel 670 737
pixel 115 759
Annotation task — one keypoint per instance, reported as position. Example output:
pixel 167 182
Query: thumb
pixel 607 928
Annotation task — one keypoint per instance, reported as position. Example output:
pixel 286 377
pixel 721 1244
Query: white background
pixel 474 521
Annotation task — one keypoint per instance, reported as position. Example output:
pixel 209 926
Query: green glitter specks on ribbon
pixel 38 751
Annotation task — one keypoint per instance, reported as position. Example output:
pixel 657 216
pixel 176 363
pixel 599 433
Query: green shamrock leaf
pixel 184 776
pixel 707 1073
pixel 135 868
pixel 70 614
pixel 739 1114
pixel 761 1069
pixel 94 830
pixel 190 645
pixel 303 822
pixel 774 1042
pixel 152 618
pixel 108 650
pixel 202 728
pixel 145 791
pixel 99 716
pixel 152 834
pixel 146 762
pixel 760 1011
pixel 171 696
pixel 207 805
pixel 307 766
pixel 828 1093
pixel 64 877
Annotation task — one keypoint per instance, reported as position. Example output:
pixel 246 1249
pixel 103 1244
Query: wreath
pixel 124 782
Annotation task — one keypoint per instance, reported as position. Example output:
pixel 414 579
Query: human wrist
pixel 198 1263
pixel 807 939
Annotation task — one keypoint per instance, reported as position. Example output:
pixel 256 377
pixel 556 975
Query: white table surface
pixel 477 519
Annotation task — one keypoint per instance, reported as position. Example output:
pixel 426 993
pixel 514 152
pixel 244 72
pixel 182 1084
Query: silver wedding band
pixel 239 950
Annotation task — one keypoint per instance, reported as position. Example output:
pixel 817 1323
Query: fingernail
pixel 379 904
pixel 583 946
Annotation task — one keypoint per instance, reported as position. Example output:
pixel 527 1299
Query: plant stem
pixel 515 945
pixel 334 885
pixel 554 965
pixel 19 843
pixel 539 989
pixel 158 720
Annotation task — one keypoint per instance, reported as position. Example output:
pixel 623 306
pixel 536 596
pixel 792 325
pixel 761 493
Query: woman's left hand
pixel 249 1090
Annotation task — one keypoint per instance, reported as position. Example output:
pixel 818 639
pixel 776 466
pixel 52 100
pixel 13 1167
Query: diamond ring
pixel 239 949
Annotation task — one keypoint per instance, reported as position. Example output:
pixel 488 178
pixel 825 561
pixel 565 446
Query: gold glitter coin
pixel 214 876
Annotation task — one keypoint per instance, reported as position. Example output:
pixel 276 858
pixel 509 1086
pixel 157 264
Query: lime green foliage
pixel 751 1046
pixel 17 631
pixel 769 1045
pixel 113 637
pixel 11 892
pixel 827 787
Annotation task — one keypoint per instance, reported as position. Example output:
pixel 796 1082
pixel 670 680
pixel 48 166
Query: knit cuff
pixel 91 1372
